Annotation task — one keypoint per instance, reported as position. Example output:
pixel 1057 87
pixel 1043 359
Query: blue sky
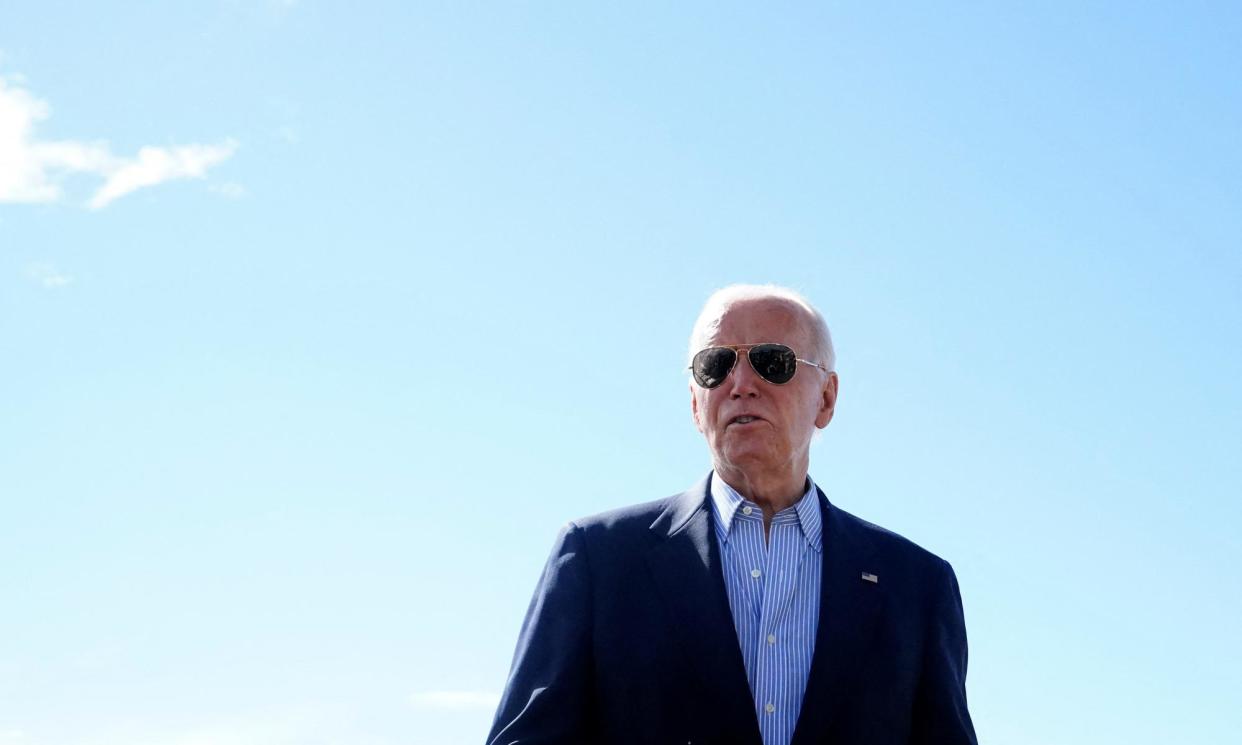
pixel 319 320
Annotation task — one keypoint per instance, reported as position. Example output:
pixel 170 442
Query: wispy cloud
pixel 31 170
pixel 456 700
pixel 47 276
pixel 155 165
pixel 274 728
pixel 245 733
pixel 229 190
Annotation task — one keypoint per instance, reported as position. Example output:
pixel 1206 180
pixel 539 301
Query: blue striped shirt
pixel 773 589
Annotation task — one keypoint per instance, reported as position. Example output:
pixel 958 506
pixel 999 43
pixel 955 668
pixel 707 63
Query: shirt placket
pixel 785 546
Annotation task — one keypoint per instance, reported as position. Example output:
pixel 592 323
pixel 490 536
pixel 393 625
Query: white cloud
pixel 31 170
pixel 456 700
pixel 47 276
pixel 155 165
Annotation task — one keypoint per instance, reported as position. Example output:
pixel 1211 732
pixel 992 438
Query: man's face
pixel 785 416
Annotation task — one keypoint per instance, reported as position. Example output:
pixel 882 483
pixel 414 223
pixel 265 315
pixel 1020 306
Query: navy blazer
pixel 629 639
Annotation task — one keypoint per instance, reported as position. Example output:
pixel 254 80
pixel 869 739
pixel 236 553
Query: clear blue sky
pixel 317 320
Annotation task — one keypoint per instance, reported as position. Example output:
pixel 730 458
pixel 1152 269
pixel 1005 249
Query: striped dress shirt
pixel 773 589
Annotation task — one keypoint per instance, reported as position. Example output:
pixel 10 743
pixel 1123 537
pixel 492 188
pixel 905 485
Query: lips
pixel 744 419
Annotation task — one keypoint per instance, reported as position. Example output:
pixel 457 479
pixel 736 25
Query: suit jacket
pixel 629 639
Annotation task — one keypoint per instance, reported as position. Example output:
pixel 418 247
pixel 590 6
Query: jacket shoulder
pixel 632 519
pixel 887 542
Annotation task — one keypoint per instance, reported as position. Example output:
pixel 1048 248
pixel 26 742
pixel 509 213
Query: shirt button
pixel 771 638
pixel 746 510
pixel 769 708
pixel 755 573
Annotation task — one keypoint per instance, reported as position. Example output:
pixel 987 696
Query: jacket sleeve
pixel 548 697
pixel 940 713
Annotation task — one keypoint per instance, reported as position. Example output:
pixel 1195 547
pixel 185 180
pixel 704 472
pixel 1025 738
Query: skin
pixel 766 460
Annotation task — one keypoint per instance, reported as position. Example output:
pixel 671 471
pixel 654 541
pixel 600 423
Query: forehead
pixel 759 320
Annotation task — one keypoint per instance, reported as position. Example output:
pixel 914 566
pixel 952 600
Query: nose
pixel 743 381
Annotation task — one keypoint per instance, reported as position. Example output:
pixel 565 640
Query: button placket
pixel 777 595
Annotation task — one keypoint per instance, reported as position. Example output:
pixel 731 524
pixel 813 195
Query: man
pixel 748 610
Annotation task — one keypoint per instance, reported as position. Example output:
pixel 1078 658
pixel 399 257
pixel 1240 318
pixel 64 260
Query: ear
pixel 694 408
pixel 828 401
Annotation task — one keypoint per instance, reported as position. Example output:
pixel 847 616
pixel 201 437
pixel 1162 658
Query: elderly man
pixel 748 610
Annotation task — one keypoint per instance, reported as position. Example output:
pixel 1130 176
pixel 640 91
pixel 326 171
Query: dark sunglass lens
pixel 775 363
pixel 712 365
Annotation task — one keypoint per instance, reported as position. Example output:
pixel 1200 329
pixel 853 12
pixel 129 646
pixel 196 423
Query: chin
pixel 747 457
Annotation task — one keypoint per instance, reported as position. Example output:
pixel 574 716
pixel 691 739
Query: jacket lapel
pixel 685 562
pixel 848 609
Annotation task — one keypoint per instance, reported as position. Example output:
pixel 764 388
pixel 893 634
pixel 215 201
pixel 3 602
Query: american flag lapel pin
pixel 871 577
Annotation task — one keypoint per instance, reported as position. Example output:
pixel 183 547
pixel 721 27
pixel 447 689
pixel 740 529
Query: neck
pixel 773 492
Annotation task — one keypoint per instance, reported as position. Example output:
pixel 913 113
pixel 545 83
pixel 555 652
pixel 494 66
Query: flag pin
pixel 870 577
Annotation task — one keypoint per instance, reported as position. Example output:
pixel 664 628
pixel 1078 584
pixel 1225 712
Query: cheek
pixel 699 410
pixel 710 415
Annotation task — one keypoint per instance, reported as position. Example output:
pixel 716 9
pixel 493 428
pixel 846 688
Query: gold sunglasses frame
pixel 737 354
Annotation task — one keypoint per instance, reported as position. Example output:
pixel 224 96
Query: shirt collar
pixel 726 501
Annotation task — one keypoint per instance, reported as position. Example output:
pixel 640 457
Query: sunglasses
pixel 775 363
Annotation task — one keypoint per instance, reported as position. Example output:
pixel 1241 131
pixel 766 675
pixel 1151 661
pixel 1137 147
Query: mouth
pixel 744 419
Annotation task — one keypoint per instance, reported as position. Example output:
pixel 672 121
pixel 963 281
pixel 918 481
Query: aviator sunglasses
pixel 775 363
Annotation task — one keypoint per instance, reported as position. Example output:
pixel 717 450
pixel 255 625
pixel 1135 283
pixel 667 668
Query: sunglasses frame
pixel 737 354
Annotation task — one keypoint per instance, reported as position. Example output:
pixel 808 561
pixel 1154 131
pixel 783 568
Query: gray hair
pixel 720 300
